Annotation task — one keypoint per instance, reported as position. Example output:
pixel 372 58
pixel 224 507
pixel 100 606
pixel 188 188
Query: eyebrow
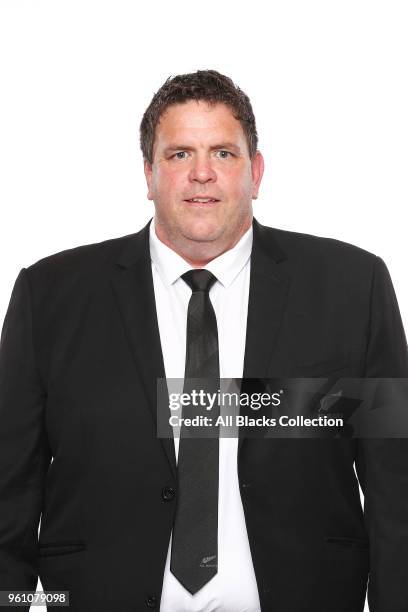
pixel 223 145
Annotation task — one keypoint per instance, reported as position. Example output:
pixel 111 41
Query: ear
pixel 148 171
pixel 258 166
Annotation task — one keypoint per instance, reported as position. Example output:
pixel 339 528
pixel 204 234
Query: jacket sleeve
pixel 382 464
pixel 24 450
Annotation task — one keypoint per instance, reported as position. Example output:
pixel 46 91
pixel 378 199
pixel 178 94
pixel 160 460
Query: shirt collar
pixel 226 267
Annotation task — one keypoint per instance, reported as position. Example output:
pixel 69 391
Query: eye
pixel 180 154
pixel 222 151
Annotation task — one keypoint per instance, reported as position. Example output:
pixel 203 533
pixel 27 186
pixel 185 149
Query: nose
pixel 202 171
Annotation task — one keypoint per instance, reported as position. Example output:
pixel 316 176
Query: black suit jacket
pixel 79 358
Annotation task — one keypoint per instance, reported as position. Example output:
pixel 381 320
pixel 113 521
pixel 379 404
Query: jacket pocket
pixel 349 542
pixel 49 549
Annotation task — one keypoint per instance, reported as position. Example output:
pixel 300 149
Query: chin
pixel 202 230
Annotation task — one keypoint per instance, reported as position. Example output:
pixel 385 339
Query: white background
pixel 328 84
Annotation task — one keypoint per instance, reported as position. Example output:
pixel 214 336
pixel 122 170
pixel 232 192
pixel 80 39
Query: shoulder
pixel 318 260
pixel 309 243
pixel 80 262
pixel 75 277
pixel 297 246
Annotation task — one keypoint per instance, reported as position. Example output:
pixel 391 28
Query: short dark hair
pixel 207 85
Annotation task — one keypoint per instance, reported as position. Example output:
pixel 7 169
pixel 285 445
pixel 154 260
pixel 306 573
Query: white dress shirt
pixel 234 587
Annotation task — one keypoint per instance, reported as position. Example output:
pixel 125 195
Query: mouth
pixel 202 202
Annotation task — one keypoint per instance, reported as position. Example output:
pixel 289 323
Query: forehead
pixel 198 120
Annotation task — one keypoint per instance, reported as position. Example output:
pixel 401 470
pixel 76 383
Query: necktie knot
pixel 199 279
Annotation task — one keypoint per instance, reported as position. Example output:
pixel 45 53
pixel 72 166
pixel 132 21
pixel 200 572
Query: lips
pixel 202 200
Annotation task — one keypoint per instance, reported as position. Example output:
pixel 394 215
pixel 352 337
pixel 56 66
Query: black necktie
pixel 194 553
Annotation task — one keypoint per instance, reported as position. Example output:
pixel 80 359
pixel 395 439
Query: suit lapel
pixel 268 292
pixel 132 284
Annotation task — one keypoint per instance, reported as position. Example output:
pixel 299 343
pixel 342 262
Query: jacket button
pixel 168 493
pixel 151 601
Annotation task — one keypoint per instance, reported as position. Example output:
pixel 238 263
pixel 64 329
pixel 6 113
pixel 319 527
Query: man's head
pixel 198 138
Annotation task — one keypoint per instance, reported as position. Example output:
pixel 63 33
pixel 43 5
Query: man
pixel 203 289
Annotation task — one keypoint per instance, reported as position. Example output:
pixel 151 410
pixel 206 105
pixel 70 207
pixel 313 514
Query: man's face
pixel 200 151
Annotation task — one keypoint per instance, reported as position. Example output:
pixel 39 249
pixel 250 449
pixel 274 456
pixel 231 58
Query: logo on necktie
pixel 206 561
